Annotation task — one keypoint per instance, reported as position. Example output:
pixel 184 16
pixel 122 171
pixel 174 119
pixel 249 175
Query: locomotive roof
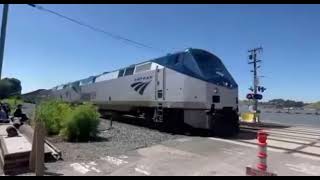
pixel 95 76
pixel 170 61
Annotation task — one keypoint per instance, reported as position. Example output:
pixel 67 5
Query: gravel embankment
pixel 116 141
pixel 121 138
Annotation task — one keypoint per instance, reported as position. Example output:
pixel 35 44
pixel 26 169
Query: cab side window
pixel 129 71
pixel 121 72
pixel 143 67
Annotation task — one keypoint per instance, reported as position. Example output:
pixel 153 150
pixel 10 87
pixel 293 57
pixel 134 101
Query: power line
pixel 94 28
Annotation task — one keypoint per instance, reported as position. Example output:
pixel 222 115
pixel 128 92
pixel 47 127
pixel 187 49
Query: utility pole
pixel 255 61
pixel 3 34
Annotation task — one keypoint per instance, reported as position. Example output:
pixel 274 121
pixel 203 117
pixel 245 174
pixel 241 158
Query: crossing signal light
pixel 257 96
pixel 254 96
pixel 250 96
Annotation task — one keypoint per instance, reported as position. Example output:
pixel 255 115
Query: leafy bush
pixel 73 123
pixel 53 114
pixel 81 124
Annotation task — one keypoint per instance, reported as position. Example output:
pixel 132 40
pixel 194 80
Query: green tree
pixel 281 103
pixel 10 87
pixel 315 105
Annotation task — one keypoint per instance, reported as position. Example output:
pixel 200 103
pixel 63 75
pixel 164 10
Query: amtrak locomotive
pixel 191 88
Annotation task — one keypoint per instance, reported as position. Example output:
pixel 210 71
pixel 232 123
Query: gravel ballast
pixel 121 138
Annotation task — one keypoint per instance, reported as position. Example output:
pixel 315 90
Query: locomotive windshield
pixel 212 68
pixel 199 64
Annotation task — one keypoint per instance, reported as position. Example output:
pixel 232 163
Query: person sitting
pixel 18 113
pixel 6 108
pixel 3 116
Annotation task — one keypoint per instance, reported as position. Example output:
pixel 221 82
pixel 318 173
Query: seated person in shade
pixel 3 116
pixel 18 113
pixel 7 109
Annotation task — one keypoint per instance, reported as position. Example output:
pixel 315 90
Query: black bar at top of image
pixel 159 2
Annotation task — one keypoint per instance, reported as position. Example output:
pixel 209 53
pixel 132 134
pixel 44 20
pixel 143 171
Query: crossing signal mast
pixel 256 87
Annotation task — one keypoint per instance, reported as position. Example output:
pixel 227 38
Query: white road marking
pixel 84 168
pixel 78 167
pixel 92 163
pixel 95 169
pixel 85 165
pixel 296 154
pixel 123 157
pixel 142 169
pixel 243 144
pixel 233 151
pixel 114 160
pixel 305 168
pixel 184 139
pixel 306 156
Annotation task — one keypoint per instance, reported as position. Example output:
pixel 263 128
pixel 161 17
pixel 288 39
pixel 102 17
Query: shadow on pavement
pixel 245 135
pixel 265 125
pixel 52 174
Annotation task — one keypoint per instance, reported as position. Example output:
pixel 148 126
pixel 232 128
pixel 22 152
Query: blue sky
pixel 43 50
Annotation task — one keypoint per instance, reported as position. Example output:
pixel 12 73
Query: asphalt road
pixel 207 156
pixel 133 150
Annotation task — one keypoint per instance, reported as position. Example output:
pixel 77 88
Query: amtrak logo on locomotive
pixel 143 78
pixel 140 86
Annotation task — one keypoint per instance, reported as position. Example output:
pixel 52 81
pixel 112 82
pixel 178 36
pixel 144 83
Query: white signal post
pixel 254 61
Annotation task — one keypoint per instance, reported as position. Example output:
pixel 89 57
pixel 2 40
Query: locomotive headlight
pixel 216 90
